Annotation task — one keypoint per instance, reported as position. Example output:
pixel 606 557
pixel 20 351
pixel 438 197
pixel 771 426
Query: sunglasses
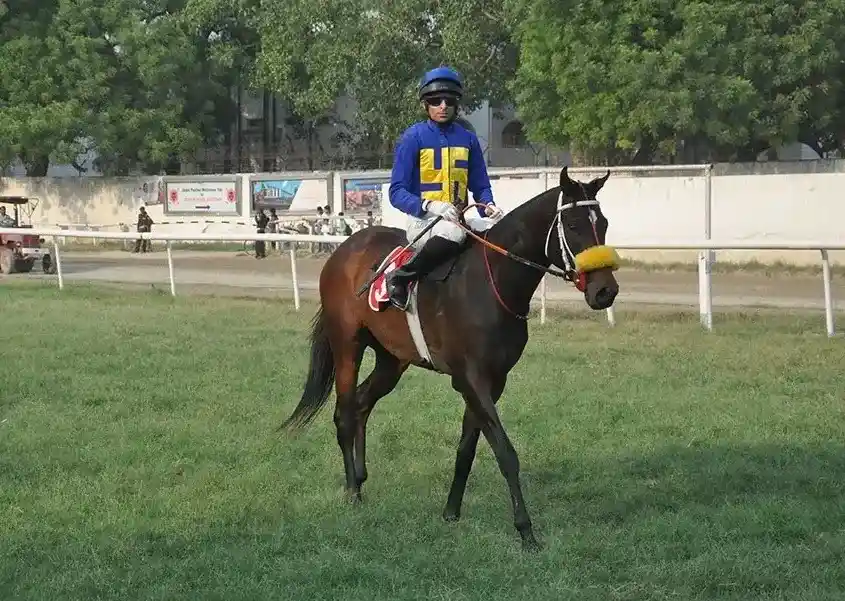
pixel 436 100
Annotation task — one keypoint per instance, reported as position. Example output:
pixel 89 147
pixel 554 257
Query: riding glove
pixel 442 208
pixel 493 212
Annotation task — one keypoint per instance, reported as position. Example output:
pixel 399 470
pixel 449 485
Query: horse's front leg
pixel 470 431
pixel 478 394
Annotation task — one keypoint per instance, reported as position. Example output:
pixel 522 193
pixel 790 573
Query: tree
pixel 131 79
pixel 312 52
pixel 718 80
pixel 405 38
pixel 42 85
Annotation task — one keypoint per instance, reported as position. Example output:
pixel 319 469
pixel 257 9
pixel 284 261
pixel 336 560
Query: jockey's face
pixel 441 107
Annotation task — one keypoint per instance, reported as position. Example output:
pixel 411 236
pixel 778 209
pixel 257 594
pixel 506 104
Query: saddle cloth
pixel 379 299
pixel 378 296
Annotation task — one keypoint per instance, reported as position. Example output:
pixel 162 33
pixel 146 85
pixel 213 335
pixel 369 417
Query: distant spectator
pixel 145 224
pixel 6 220
pixel 322 227
pixel 273 226
pixel 261 221
pixel 341 226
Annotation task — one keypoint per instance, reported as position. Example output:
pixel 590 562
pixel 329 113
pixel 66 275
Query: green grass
pixel 138 460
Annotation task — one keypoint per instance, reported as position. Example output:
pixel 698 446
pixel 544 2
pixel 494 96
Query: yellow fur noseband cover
pixel 596 257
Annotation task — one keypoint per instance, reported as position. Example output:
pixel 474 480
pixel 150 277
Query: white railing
pixel 706 247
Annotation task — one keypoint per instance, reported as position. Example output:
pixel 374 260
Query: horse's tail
pixel 318 384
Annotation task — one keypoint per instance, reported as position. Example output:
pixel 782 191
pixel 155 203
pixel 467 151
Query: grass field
pixel 138 460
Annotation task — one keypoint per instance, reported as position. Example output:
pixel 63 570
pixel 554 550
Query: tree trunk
pixel 36 166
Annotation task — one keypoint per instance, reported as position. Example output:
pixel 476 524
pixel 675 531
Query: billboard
pixel 148 191
pixel 362 195
pixel 202 197
pixel 290 194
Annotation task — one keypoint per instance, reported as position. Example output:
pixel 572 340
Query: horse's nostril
pixel 605 296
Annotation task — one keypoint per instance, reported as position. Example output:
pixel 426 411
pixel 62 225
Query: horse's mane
pixel 515 219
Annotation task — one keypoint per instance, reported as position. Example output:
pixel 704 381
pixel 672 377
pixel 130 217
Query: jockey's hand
pixel 442 208
pixel 493 211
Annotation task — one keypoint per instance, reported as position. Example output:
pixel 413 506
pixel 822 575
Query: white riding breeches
pixel 444 228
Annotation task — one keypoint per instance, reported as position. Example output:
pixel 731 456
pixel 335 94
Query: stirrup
pixel 396 303
pixel 391 293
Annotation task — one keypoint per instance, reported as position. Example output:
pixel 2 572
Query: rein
pixel 571 274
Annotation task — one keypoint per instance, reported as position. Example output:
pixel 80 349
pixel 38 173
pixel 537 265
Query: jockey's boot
pixel 435 251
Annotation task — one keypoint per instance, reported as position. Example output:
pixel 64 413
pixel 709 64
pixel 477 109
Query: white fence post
pixel 543 300
pixel 58 259
pixel 828 294
pixel 170 268
pixel 705 257
pixel 294 277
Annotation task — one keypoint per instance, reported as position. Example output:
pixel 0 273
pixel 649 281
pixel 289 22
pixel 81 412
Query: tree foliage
pixel 145 82
pixel 720 80
pixel 127 78
pixel 311 52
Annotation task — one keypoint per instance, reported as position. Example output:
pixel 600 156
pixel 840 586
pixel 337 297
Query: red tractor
pixel 20 250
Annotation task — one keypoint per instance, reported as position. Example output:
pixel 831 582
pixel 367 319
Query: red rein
pixel 580 280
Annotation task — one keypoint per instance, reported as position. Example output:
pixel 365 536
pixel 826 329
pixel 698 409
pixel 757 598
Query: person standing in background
pixel 145 224
pixel 261 221
pixel 273 226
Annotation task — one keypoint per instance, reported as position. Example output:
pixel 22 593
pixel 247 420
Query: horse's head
pixel 581 252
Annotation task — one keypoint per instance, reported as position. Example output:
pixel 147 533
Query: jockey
pixel 436 162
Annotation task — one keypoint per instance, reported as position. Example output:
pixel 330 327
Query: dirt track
pixel 239 273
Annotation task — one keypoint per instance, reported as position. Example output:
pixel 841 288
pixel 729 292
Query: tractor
pixel 20 250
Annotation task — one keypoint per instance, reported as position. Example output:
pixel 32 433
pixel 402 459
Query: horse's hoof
pixel 354 498
pixel 451 516
pixel 530 544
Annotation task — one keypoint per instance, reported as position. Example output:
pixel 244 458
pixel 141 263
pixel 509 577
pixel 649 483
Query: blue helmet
pixel 441 80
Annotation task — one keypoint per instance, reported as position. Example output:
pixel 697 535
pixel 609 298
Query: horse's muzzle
pixel 602 289
pixel 604 298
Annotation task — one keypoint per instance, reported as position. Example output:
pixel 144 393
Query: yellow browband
pixel 597 257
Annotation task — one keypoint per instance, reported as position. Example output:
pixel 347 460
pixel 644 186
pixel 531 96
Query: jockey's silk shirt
pixel 431 162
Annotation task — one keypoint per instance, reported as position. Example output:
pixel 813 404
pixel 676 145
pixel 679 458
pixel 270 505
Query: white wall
pixel 654 207
pixel 793 201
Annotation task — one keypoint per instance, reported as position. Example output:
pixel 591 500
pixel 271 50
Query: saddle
pixel 378 295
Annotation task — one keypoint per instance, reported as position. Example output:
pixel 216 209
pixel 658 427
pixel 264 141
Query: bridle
pixel 570 272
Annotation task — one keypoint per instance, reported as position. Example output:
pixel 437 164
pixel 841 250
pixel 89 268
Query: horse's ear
pixel 567 186
pixel 597 184
pixel 564 177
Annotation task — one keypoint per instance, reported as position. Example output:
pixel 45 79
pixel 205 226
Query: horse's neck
pixel 525 237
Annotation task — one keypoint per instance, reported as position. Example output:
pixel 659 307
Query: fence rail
pixel 705 248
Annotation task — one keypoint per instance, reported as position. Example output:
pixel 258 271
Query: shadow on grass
pixel 682 478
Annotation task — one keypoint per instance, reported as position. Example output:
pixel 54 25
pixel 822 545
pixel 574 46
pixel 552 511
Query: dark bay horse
pixel 474 322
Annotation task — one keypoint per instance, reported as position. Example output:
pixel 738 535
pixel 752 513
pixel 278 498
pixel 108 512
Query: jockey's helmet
pixel 442 80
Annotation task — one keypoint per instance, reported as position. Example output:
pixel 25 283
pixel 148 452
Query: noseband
pixel 575 266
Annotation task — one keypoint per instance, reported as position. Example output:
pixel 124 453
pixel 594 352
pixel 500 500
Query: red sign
pixel 230 195
pixel 174 197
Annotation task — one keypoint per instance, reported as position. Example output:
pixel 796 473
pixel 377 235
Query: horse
pixel 474 319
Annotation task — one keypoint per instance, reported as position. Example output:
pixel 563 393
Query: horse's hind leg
pixel 385 375
pixel 348 353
